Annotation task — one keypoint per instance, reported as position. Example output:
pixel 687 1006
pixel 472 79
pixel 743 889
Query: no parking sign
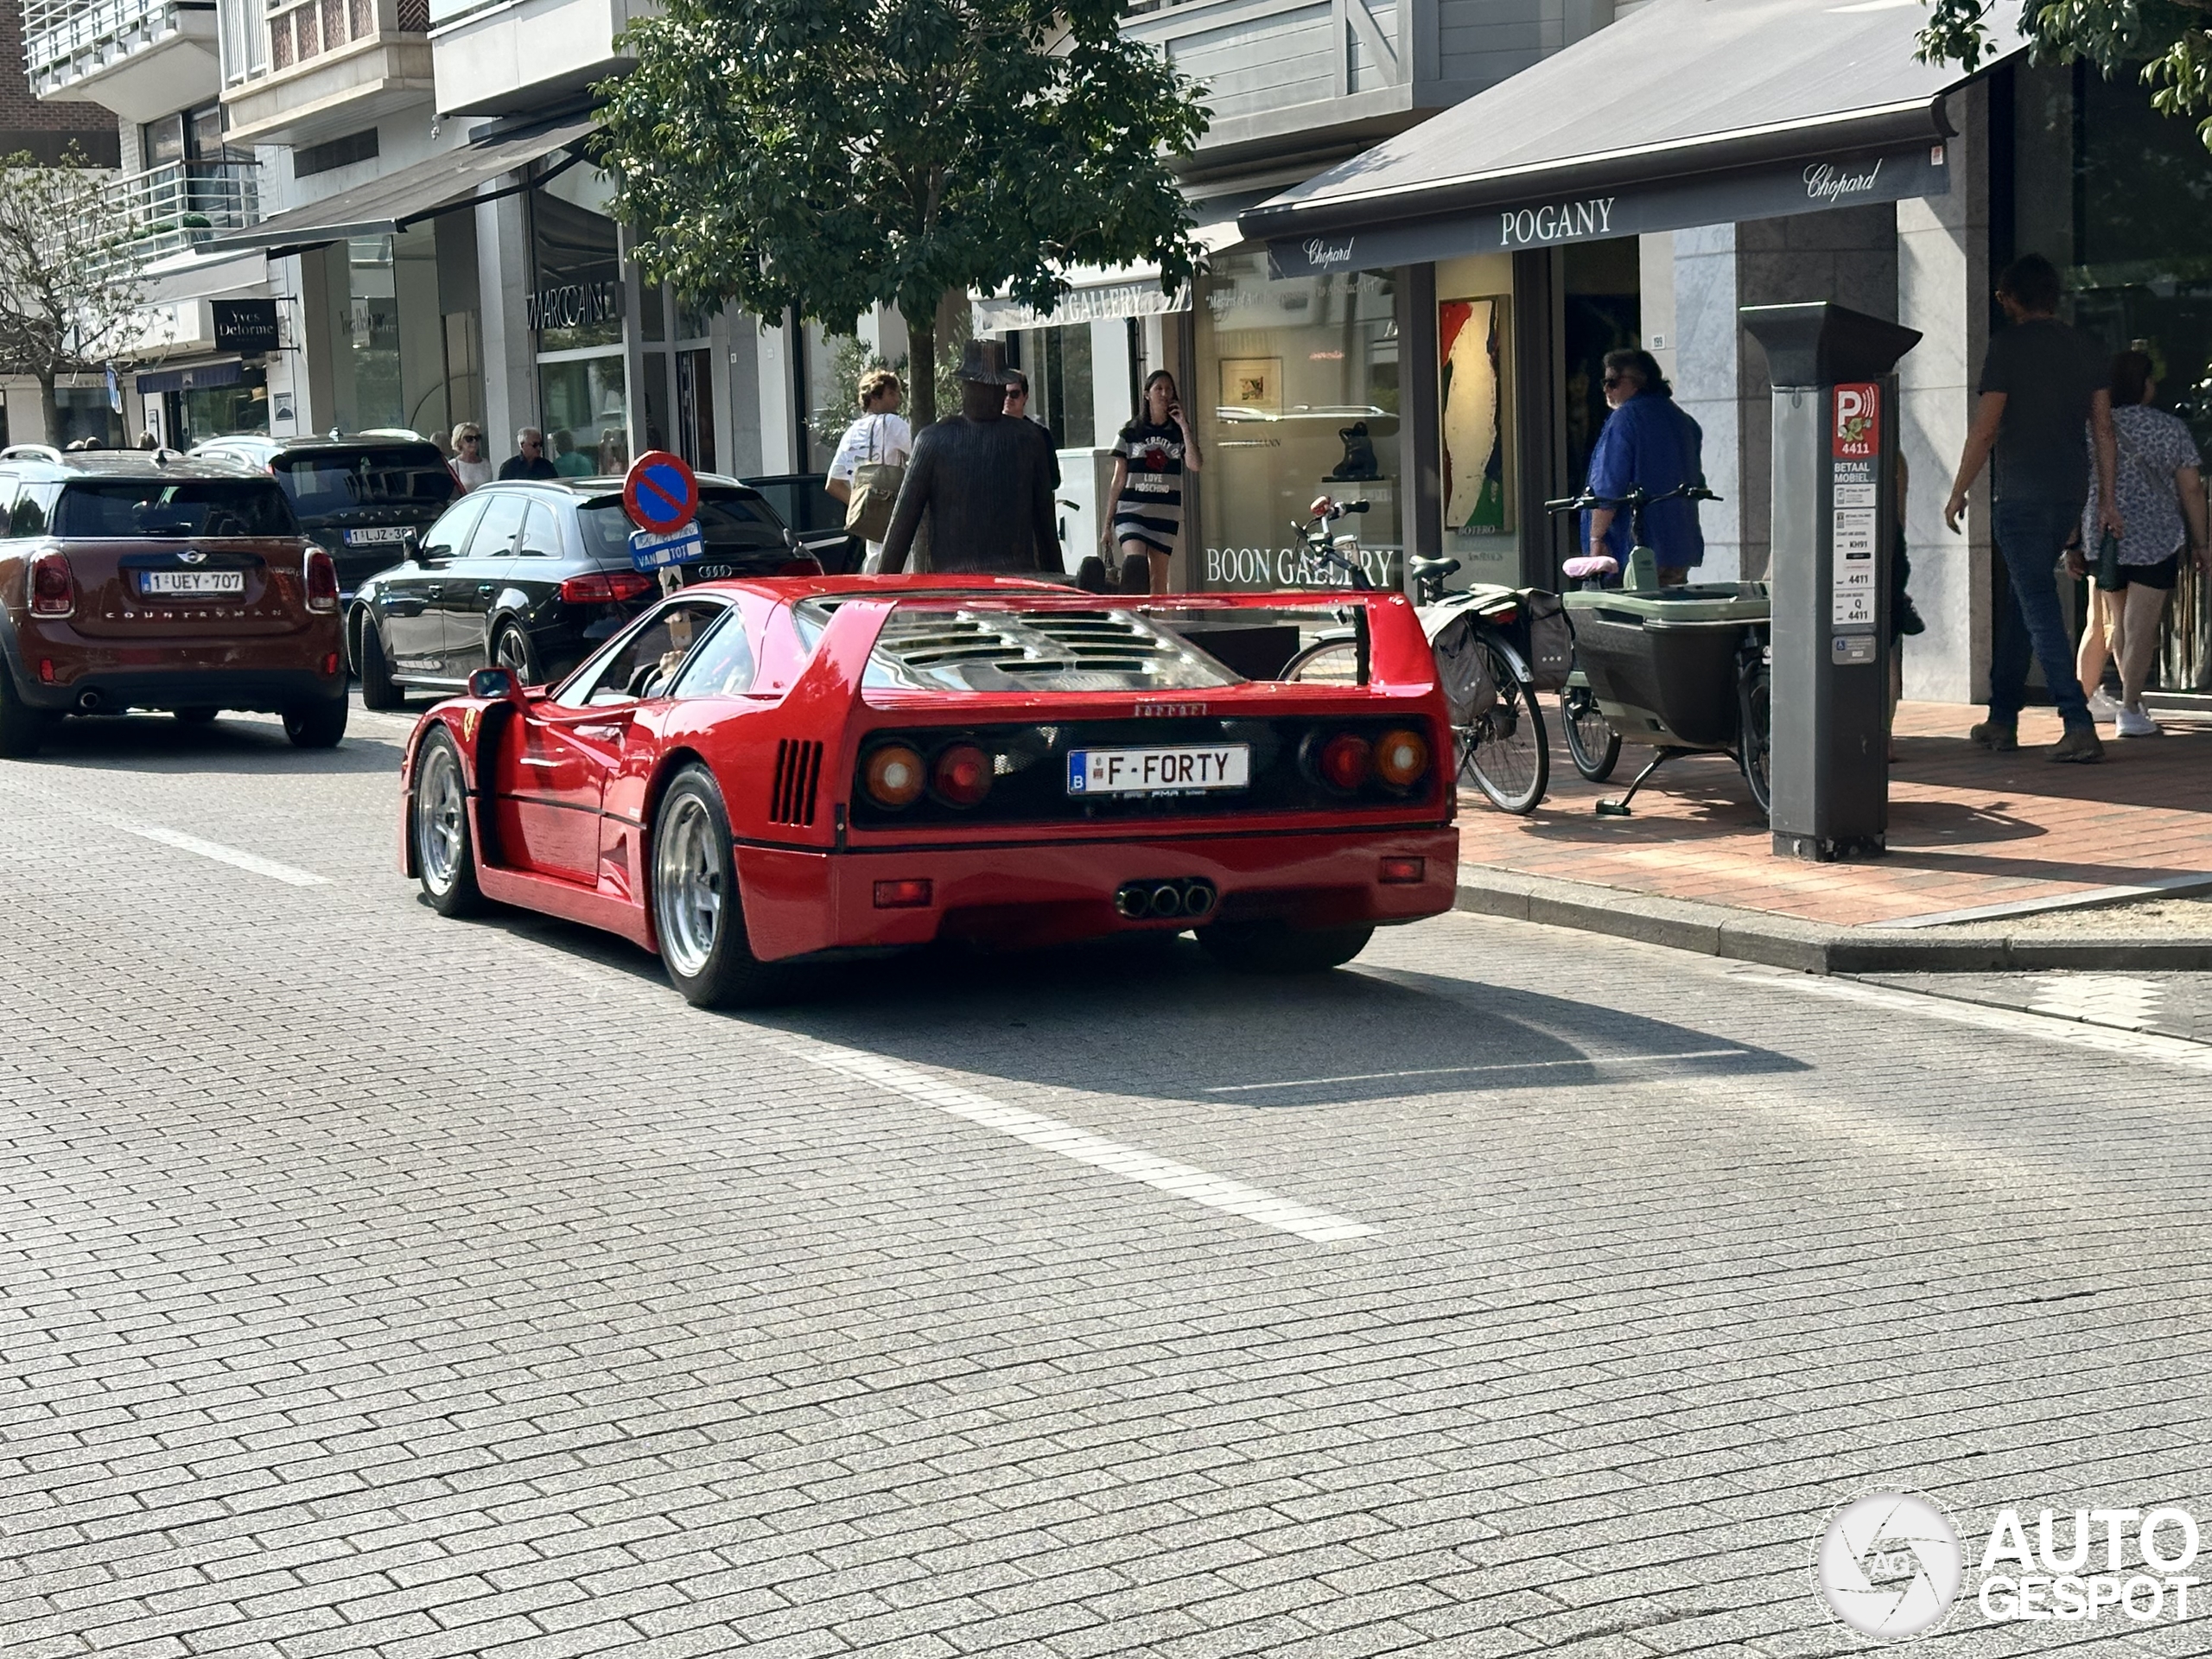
pixel 661 494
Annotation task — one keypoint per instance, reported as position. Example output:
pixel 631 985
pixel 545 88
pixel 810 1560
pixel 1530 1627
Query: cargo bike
pixel 1681 670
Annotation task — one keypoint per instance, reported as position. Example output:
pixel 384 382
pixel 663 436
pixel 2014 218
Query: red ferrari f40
pixel 755 772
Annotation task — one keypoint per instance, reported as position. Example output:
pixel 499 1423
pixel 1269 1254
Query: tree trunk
pixel 49 410
pixel 921 365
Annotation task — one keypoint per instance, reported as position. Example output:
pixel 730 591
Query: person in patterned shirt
pixel 2162 504
pixel 1151 455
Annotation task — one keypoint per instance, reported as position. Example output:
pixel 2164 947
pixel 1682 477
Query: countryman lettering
pixel 1530 225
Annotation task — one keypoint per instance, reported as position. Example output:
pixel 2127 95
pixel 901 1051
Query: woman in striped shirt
pixel 1150 457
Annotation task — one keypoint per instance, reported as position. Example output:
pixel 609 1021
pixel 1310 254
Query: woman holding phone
pixel 1150 457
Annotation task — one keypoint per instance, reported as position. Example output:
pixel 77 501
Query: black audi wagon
pixel 532 577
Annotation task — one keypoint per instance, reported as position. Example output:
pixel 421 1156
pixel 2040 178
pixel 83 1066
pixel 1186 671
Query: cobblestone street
pixel 377 1285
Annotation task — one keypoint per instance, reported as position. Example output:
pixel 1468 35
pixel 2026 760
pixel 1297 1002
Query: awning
pixel 1098 293
pixel 406 197
pixel 1685 113
pixel 200 375
pixel 194 275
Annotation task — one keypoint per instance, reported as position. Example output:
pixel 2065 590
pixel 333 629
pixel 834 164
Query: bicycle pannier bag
pixel 875 491
pixel 1549 639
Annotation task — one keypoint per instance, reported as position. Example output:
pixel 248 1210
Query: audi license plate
pixel 376 533
pixel 1154 772
pixel 192 584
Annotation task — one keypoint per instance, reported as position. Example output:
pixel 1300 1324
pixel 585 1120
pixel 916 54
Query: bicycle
pixel 1733 715
pixel 1497 729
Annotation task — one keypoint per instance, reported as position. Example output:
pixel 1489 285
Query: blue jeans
pixel 2032 535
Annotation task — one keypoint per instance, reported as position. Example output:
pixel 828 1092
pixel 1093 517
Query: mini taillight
pixel 910 894
pixel 893 776
pixel 53 590
pixel 617 589
pixel 1343 761
pixel 1403 871
pixel 322 581
pixel 1400 758
pixel 962 775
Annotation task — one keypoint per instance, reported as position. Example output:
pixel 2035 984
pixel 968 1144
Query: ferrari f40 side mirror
pixel 496 684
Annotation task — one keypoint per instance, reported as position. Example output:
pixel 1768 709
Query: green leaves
pixel 830 156
pixel 2163 43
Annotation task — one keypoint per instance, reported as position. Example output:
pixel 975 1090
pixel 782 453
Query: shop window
pixel 1475 426
pixel 587 399
pixel 1295 395
pixel 694 409
pixel 1058 363
pixel 576 299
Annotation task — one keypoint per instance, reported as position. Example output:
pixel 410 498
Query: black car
pixel 817 517
pixel 359 496
pixel 532 577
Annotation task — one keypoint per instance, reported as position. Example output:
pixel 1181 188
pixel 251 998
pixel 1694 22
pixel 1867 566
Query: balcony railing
pixel 181 205
pixel 56 31
pixel 299 33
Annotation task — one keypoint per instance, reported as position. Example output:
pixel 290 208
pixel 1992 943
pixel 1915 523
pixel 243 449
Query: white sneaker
pixel 2102 707
pixel 2133 722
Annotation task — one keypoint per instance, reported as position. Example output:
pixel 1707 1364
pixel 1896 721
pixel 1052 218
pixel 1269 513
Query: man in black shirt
pixel 531 462
pixel 2041 383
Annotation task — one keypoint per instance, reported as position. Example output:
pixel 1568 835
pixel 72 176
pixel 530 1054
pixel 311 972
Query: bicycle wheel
pixel 1592 742
pixel 1755 735
pixel 1504 748
pixel 1326 662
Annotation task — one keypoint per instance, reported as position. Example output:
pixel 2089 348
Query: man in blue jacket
pixel 1647 439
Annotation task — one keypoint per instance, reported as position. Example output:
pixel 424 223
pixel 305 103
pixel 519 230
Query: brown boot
pixel 2080 745
pixel 2000 735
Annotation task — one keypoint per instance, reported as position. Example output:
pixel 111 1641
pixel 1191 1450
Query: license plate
pixel 378 533
pixel 1158 772
pixel 192 584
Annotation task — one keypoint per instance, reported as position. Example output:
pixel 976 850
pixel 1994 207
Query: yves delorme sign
pixel 1768 193
pixel 247 326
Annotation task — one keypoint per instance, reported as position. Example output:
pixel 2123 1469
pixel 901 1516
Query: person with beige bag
pixel 871 462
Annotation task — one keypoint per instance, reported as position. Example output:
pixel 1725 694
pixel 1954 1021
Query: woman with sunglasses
pixel 469 464
pixel 1647 439
pixel 1151 455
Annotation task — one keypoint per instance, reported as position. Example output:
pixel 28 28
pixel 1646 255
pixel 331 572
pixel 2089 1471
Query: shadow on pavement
pixel 232 743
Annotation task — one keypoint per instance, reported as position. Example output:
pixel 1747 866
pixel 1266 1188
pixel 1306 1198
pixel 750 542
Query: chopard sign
pixel 1825 181
pixel 1324 255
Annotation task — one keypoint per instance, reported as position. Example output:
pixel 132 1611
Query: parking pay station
pixel 1835 509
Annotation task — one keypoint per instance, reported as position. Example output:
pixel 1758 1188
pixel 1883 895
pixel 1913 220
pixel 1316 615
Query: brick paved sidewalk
pixel 1967 829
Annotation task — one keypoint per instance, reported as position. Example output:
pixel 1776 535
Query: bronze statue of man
pixel 985 483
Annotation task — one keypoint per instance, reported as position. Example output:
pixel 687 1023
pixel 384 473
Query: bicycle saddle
pixel 1432 567
pixel 1583 568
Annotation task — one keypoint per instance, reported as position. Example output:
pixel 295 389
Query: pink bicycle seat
pixel 1583 568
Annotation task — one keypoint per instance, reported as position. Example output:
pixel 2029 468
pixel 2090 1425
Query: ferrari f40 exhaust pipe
pixel 1190 898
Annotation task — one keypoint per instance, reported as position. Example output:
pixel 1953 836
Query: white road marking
pixel 215 849
pixel 2121 1000
pixel 2130 1044
pixel 1131 1163
pixel 1474 1070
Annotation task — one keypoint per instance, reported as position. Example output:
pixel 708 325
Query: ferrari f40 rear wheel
pixel 697 915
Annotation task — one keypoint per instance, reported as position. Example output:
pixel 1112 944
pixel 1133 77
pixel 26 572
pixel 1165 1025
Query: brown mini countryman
pixel 148 580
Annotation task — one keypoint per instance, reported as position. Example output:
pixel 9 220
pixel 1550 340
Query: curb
pixel 1808 947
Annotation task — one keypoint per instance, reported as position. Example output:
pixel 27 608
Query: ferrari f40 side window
pixel 645 663
pixel 723 664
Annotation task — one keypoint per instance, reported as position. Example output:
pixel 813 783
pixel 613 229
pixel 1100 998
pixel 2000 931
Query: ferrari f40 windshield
pixel 986 648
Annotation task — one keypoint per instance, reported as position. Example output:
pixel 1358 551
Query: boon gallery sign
pixel 1767 193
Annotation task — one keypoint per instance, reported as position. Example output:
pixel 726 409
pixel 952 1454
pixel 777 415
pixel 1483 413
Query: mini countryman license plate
pixel 1164 771
pixel 192 584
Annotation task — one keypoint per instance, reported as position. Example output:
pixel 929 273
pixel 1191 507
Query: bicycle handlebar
pixel 1636 497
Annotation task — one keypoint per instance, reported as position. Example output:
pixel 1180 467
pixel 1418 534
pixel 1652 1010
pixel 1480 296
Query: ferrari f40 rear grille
pixel 791 792
pixel 1005 650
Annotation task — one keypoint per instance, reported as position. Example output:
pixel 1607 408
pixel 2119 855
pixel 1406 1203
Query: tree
pixel 2167 43
pixel 824 156
pixel 70 293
